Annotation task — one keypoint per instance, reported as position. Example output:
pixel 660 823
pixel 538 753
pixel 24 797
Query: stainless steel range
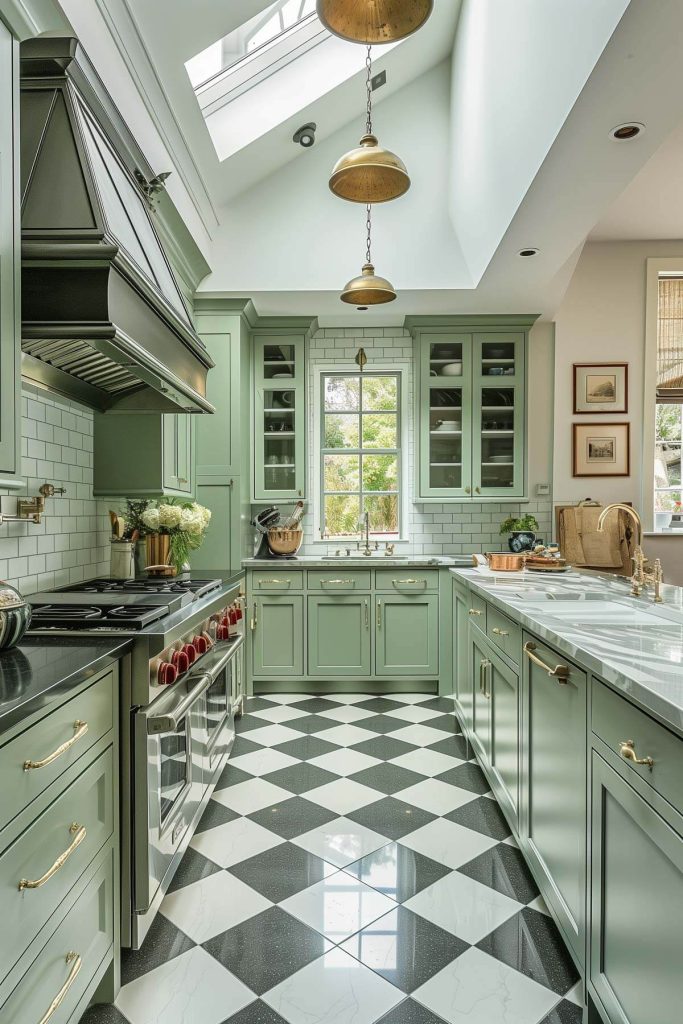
pixel 181 687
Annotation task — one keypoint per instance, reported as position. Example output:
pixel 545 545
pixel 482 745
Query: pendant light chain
pixel 368 225
pixel 368 86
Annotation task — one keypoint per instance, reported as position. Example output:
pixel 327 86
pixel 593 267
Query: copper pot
pixel 503 561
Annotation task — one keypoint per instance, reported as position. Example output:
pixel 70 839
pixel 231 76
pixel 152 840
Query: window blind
pixel 670 341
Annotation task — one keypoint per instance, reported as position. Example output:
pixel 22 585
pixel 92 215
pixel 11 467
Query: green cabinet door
pixel 462 680
pixel 502 684
pixel 177 454
pixel 339 635
pixel 277 639
pixel 637 903
pixel 279 417
pixel 498 415
pixel 553 786
pixel 481 704
pixel 407 635
pixel 443 415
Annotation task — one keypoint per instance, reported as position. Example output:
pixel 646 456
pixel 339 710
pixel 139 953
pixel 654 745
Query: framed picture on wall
pixel 600 387
pixel 601 449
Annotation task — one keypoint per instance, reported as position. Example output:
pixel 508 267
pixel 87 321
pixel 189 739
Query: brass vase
pixel 159 555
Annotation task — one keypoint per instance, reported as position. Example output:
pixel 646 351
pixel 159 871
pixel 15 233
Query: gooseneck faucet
pixel 640 577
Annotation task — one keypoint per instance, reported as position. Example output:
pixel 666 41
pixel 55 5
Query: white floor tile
pixel 285 698
pixel 437 797
pixel 334 989
pixel 476 989
pixel 338 906
pixel 345 761
pixel 463 906
pixel 409 698
pixel 347 698
pixel 252 795
pixel 427 762
pixel 347 713
pixel 540 905
pixel 346 735
pixel 231 843
pixel 576 994
pixel 343 796
pixel 279 714
pixel 421 735
pixel 448 843
pixel 192 987
pixel 212 905
pixel 260 762
pixel 271 735
pixel 341 841
pixel 413 713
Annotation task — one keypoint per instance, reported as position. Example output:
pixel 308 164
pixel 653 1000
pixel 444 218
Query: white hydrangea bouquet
pixel 183 522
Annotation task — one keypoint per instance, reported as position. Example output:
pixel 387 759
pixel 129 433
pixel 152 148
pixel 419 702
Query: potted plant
pixel 522 532
pixel 173 528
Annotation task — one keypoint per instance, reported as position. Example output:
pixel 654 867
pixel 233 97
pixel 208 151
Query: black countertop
pixel 39 671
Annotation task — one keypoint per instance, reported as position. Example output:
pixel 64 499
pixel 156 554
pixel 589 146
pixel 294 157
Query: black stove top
pixel 162 585
pixel 125 617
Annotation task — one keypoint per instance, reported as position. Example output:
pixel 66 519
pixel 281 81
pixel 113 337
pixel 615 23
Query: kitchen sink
pixel 356 556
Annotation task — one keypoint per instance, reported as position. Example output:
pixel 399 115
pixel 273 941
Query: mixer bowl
pixel 284 542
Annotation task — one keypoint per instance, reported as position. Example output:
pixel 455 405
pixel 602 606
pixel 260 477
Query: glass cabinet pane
pixel 279 439
pixel 445 437
pixel 497 465
pixel 279 362
pixel 498 359
pixel 445 358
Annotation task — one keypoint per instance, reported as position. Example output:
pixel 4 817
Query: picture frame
pixel 601 449
pixel 600 388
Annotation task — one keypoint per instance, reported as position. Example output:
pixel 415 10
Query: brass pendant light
pixel 373 21
pixel 370 173
pixel 368 289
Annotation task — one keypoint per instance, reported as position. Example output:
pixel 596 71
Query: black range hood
pixel 103 320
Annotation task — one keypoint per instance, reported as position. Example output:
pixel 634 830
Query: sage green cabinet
pixel 498 415
pixel 277 635
pixel 406 635
pixel 637 902
pixel 339 635
pixel 279 470
pixel 481 710
pixel 553 784
pixel 10 264
pixel 143 455
pixel 445 424
pixel 462 684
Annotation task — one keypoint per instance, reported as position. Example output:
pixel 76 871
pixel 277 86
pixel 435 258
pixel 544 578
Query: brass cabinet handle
pixel 182 479
pixel 477 490
pixel 401 583
pixel 500 632
pixel 627 749
pixel 254 619
pixel 81 729
pixel 80 834
pixel 367 615
pixel 560 672
pixel 76 962
pixel 379 613
pixel 280 582
pixel 468 490
pixel 474 611
pixel 345 583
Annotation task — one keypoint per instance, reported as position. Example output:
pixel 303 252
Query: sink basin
pixel 355 556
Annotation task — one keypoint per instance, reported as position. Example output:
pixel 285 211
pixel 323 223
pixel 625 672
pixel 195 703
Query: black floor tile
pixel 103 1013
pixel 307 747
pixel 397 871
pixel 257 1012
pixel 243 745
pixel 247 723
pixel 163 942
pixel 299 778
pixel 387 777
pixel 312 723
pixel 379 704
pixel 564 1013
pixel 215 814
pixel 466 776
pixel 266 949
pixel 454 746
pixel 381 724
pixel 314 705
pixel 231 776
pixel 259 704
pixel 483 815
pixel 504 869
pixel 531 943
pixel 280 872
pixel 410 1012
pixel 192 867
pixel 292 817
pixel 446 723
pixel 384 747
pixel 446 705
pixel 391 817
pixel 404 948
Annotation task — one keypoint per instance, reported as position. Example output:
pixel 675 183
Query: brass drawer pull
pixel 406 583
pixel 279 583
pixel 500 632
pixel 341 583
pixel 76 962
pixel 80 834
pixel 628 752
pixel 474 611
pixel 560 672
pixel 379 614
pixel 367 615
pixel 81 729
pixel 254 619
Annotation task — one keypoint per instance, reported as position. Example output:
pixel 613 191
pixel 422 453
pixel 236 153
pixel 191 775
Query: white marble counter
pixel 375 561
pixel 631 643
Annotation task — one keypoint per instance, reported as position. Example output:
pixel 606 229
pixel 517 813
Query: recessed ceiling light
pixel 528 251
pixel 627 131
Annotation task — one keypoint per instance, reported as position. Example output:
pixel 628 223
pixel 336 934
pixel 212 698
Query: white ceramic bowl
pixel 451 370
pixel 448 425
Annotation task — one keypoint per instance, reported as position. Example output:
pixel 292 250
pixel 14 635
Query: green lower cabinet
pixel 462 685
pixel 407 635
pixel 481 706
pixel 502 685
pixel 637 903
pixel 339 635
pixel 278 635
pixel 553 785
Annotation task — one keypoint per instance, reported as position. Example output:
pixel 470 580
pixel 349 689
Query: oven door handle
pixel 169 721
pixel 215 661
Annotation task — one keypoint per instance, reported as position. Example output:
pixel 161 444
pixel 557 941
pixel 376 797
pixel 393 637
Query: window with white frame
pixel 668 486
pixel 360 453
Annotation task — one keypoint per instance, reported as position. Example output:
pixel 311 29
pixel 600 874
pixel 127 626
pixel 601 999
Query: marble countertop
pixel 39 671
pixel 376 561
pixel 634 645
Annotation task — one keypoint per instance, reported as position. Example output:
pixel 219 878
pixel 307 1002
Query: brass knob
pixel 474 611
pixel 628 752
pixel 500 632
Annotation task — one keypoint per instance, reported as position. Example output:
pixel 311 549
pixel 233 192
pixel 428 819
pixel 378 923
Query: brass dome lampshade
pixel 373 21
pixel 369 289
pixel 369 173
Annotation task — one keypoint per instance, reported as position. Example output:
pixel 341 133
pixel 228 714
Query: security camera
pixel 305 135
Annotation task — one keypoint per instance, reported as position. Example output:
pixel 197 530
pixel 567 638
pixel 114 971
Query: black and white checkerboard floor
pixel 351 867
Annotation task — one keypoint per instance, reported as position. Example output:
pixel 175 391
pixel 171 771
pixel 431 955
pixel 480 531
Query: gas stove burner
pixel 145 586
pixel 94 617
pixel 69 611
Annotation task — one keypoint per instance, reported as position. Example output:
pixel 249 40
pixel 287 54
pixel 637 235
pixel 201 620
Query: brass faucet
pixel 641 577
pixel 367 550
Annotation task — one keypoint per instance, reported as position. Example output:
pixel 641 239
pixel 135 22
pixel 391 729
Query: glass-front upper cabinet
pixel 446 440
pixel 279 417
pixel 498 415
